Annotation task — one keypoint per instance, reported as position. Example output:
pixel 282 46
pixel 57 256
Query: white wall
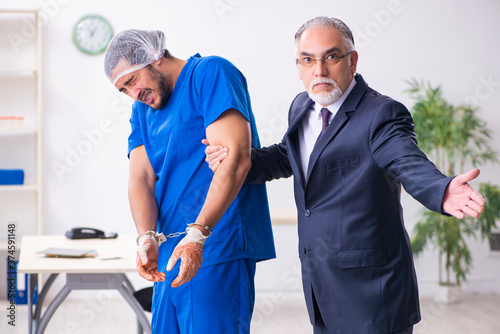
pixel 451 43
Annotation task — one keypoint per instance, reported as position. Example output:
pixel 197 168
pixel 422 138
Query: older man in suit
pixel 349 149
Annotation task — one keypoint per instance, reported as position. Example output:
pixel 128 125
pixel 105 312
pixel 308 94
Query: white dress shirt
pixel 312 124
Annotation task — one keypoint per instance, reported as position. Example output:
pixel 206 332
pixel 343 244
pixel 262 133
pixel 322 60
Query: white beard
pixel 325 98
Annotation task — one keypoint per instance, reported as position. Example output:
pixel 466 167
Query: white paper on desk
pixel 68 252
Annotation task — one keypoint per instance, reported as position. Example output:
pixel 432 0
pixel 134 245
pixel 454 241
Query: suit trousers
pixel 320 327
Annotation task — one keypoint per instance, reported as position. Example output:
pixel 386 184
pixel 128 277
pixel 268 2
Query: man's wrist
pixel 195 235
pixel 158 237
pixel 206 230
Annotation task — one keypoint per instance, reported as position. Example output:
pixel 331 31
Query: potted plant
pixel 452 136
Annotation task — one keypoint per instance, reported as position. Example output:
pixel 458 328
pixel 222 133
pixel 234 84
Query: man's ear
pixel 354 61
pixel 158 62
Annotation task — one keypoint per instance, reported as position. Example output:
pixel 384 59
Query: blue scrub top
pixel 205 88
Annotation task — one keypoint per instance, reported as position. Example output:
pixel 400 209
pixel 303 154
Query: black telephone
pixel 89 233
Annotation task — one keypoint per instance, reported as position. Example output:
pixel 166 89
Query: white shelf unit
pixel 20 96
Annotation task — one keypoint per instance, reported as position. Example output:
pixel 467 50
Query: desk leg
pixel 41 298
pixel 127 283
pixel 81 282
pixel 52 308
pixel 130 287
pixel 141 317
pixel 32 280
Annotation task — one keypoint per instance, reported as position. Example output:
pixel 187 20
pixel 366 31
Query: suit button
pixel 308 213
pixel 305 251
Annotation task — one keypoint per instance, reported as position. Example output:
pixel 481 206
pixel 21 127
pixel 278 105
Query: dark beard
pixel 164 86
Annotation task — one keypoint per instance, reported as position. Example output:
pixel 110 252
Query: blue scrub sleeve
pixel 221 87
pixel 135 138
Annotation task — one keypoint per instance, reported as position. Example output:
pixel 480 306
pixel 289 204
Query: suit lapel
pixel 338 122
pixel 293 137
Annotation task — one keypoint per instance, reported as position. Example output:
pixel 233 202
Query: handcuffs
pixel 160 237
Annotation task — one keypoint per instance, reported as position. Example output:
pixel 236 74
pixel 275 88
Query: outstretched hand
pixel 461 199
pixel 214 155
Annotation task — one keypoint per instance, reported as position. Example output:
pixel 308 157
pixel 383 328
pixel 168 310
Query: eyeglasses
pixel 331 59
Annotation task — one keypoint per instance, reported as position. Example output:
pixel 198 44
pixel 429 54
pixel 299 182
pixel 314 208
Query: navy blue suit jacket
pixel 355 252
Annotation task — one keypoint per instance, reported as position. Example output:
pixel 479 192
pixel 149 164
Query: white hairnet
pixel 131 50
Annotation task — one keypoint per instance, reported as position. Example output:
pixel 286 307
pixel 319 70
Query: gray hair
pixel 327 22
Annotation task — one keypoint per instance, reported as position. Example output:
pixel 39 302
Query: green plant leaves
pixel 454 136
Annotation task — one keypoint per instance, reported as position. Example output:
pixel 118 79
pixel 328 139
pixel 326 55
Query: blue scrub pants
pixel 219 299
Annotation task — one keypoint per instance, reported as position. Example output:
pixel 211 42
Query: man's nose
pixel 320 69
pixel 135 93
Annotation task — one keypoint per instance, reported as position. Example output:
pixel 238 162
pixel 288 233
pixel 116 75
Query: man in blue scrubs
pixel 205 277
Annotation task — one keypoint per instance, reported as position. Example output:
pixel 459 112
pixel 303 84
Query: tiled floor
pixel 474 314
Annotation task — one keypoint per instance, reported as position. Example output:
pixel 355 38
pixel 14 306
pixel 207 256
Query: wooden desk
pixel 81 273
